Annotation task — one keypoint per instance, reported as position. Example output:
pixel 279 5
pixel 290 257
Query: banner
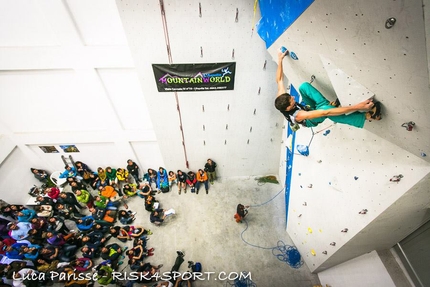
pixel 194 77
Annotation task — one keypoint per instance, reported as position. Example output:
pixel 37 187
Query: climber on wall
pixel 317 108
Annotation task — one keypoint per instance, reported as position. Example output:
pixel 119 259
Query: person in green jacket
pixel 84 197
pixel 111 176
pixel 104 275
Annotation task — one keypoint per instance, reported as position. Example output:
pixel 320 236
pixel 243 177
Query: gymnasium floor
pixel 204 228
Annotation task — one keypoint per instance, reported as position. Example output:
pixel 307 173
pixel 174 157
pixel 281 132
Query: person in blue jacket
pixel 69 171
pixel 14 251
pixel 162 178
pixel 85 223
pixel 26 215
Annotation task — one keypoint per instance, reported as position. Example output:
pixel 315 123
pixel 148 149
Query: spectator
pixel 162 180
pixel 172 179
pixel 70 171
pixel 26 215
pixel 159 215
pixel 42 175
pixel 126 216
pixel 210 169
pixel 191 181
pixel 52 192
pixel 152 177
pixel 85 197
pixel 111 176
pixel 19 231
pixel 150 203
pixel 102 176
pixel 202 178
pixel 94 181
pixel 83 170
pixel 133 169
pixel 70 199
pixel 57 224
pixel 122 176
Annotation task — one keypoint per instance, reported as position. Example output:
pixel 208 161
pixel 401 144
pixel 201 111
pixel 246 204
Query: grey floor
pixel 204 228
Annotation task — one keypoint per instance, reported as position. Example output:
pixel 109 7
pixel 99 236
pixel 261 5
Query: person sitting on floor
pixel 159 215
pixel 191 181
pixel 69 171
pixel 126 216
pixel 26 215
pixel 18 231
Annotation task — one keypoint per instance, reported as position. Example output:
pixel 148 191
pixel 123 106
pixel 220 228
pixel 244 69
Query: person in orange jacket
pixel 202 178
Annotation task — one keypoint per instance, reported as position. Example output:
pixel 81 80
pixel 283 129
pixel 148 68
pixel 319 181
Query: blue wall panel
pixel 290 157
pixel 277 16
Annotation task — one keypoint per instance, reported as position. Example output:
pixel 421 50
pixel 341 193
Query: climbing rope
pixel 284 253
pixel 304 150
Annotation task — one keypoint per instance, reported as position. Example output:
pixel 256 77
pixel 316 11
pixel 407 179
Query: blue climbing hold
pixel 355 177
pixel 293 56
pixel 326 132
pixel 303 149
pixel 423 154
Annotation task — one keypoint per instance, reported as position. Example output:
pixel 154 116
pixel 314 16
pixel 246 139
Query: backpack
pixel 197 267
pixel 164 188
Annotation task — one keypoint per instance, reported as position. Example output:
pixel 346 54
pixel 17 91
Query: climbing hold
pixel 313 252
pixel 310 186
pixel 326 132
pixel 355 177
pixel 345 230
pixel 283 49
pixel 305 204
pixel 329 183
pixel 301 186
pixel 409 126
pixel 309 230
pixel 364 211
pixel 303 149
pixel 333 243
pixel 300 215
pixel 324 252
pixel 319 161
pixel 293 56
pixel 423 154
pixel 300 174
pixel 390 22
pixel 396 178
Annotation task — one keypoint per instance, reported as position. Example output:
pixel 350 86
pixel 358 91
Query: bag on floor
pixel 197 267
pixel 165 189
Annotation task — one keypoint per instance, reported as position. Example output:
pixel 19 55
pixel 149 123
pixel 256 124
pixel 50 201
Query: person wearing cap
pixel 19 230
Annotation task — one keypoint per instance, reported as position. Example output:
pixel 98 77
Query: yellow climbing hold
pixel 313 252
pixel 310 230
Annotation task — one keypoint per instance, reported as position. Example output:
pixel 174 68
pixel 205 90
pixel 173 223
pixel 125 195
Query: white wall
pixel 67 77
pixel 218 34
pixel 365 270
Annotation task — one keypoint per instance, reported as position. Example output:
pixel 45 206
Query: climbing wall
pixel 373 56
pixel 348 183
pixel 358 51
pixel 238 129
